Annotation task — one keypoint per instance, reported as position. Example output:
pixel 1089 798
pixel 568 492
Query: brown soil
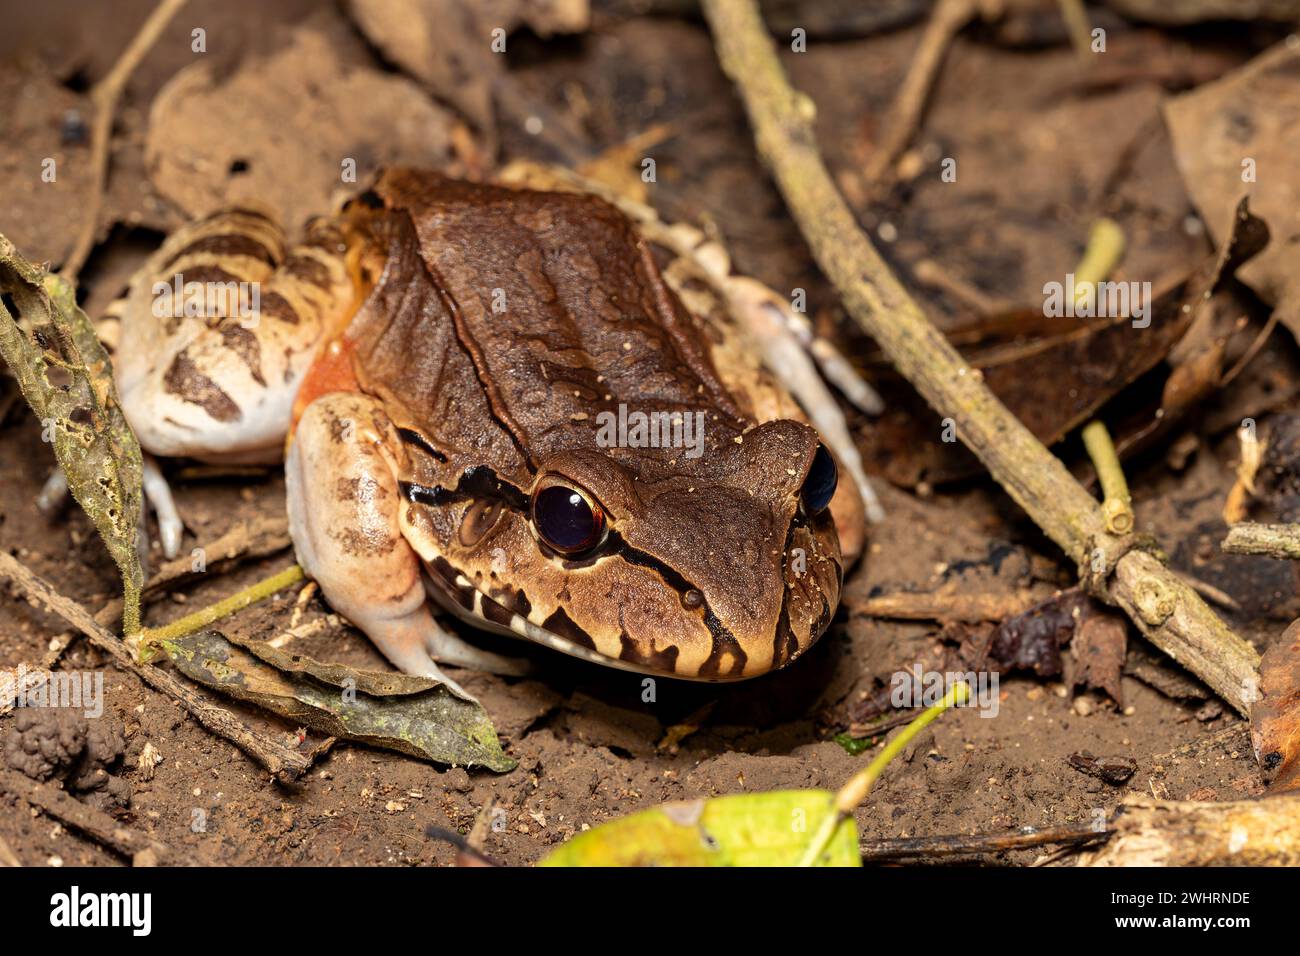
pixel 1036 146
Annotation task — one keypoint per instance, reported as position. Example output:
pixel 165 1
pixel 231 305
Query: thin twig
pixel 1100 257
pixel 1166 609
pixel 945 23
pixel 246 541
pixel 104 97
pixel 1274 540
pixel 932 606
pixel 1079 27
pixel 931 273
pixel 275 757
pixel 7 855
pixel 859 785
pixel 962 844
pixel 96 824
pixel 1117 503
pixel 223 608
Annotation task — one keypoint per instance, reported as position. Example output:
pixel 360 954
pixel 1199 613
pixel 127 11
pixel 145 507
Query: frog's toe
pixel 159 495
pixel 411 657
pixel 54 494
pixel 452 649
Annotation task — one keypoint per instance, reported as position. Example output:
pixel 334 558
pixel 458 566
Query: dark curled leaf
pixel 1033 640
pixel 412 715
pixel 67 379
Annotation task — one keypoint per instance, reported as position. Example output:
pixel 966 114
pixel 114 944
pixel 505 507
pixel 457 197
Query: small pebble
pixel 1082 706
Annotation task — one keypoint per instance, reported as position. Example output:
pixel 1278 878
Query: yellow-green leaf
pixel 67 379
pixel 749 829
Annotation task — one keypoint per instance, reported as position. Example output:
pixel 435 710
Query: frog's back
pixel 544 308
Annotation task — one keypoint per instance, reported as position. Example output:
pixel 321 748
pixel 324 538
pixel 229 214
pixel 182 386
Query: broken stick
pixel 1115 567
pixel 1149 832
pixel 96 824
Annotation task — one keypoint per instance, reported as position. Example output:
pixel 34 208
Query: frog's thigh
pixel 343 516
pixel 212 372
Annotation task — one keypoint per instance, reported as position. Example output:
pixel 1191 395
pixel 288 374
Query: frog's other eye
pixel 819 487
pixel 567 519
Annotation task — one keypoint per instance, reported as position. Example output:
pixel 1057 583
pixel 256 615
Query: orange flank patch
pixel 331 372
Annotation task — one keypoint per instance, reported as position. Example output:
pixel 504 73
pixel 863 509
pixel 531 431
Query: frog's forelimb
pixel 345 519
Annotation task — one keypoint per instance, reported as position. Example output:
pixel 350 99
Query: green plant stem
pixel 1078 26
pixel 859 785
pixel 1100 257
pixel 223 608
pixel 1117 504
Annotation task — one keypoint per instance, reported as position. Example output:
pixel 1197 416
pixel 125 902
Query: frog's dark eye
pixel 567 520
pixel 819 487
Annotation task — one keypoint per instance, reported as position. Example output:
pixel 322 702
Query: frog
pixel 491 403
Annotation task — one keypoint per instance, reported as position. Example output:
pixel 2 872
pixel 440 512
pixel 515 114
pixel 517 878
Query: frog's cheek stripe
pixel 454 593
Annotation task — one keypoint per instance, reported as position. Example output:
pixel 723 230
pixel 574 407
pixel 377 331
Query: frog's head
pixel 512 336
pixel 718 567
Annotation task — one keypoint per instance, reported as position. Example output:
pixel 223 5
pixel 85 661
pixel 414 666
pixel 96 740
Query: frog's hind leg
pixel 218 329
pixel 213 337
pixel 344 514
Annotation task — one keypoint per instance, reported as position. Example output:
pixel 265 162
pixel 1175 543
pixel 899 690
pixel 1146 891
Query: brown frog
pixel 496 405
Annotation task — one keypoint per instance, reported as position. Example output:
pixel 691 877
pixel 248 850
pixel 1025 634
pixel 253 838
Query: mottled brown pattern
pixel 355 542
pixel 226 245
pixel 244 343
pixel 276 306
pixel 184 380
pixel 307 269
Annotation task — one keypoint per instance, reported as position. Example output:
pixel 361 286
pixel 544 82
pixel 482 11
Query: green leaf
pixel 749 829
pixel 412 715
pixel 67 379
pixel 854 745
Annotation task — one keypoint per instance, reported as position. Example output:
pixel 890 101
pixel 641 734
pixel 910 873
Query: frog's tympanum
pixel 495 402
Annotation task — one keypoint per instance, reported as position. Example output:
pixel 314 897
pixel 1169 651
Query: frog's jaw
pixel 794 632
pixel 456 594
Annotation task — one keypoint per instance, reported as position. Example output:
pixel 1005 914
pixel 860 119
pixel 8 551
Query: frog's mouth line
pixel 457 595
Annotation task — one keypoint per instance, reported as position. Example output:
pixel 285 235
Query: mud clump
pixel 47 743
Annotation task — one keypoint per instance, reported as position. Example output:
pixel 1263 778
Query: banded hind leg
pixel 345 518
pixel 215 334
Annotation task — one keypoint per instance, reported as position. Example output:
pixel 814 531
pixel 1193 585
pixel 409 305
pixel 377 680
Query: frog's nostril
pixel 819 487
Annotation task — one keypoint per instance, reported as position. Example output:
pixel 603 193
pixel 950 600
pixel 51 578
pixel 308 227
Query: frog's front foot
pixel 54 495
pixel 159 495
pixel 344 514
